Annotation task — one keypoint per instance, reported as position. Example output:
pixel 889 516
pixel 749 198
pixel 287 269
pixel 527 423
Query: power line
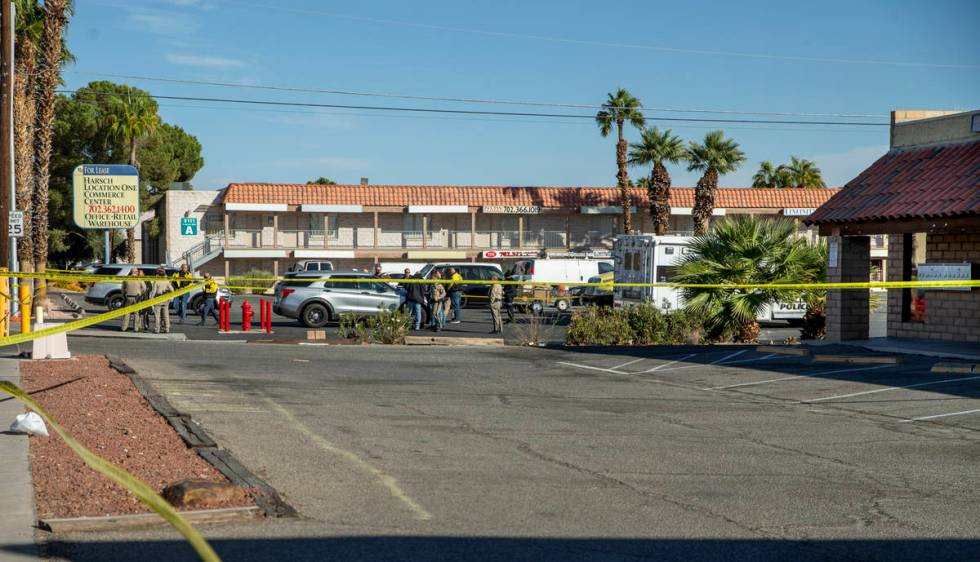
pixel 461 100
pixel 596 43
pixel 479 112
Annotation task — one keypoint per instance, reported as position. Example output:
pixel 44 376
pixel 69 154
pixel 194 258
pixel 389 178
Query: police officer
pixel 496 299
pixel 161 311
pixel 180 280
pixel 210 297
pixel 133 291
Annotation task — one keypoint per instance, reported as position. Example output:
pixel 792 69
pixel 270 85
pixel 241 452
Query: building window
pixel 913 300
pixel 315 225
pixel 877 271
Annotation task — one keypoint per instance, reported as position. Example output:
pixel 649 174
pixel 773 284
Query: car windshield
pixel 108 270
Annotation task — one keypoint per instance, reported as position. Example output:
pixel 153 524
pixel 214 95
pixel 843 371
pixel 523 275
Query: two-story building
pixel 270 226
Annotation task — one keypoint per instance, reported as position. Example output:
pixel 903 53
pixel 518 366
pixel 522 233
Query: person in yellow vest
pixel 210 299
pixel 180 280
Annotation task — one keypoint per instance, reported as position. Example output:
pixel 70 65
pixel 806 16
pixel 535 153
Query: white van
pixel 397 268
pixel 646 258
pixel 562 270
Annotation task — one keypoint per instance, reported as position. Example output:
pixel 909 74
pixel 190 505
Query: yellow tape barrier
pixel 86 322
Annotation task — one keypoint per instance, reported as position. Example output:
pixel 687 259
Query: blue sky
pixel 927 53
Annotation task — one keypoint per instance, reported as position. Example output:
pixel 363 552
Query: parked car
pixel 312 265
pixel 473 293
pixel 109 293
pixel 314 300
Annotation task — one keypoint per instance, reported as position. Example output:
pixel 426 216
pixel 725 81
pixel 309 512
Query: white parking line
pixel 658 367
pixel 727 357
pixel 799 377
pixel 931 383
pixel 628 363
pixel 717 364
pixel 604 370
pixel 940 416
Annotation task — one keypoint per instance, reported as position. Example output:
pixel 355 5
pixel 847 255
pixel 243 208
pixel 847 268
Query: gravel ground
pixel 103 410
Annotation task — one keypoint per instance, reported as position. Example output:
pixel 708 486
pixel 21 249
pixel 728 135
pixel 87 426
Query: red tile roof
pixel 910 183
pixel 553 197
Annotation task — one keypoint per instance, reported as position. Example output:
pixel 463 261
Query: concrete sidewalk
pixel 930 348
pixel 16 495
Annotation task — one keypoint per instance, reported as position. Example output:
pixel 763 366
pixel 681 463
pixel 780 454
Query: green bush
pixel 387 327
pixel 258 282
pixel 642 324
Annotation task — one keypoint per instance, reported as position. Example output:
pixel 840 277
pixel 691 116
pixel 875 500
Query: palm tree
pixel 802 173
pixel 742 249
pixel 656 148
pixel 132 117
pixel 48 77
pixel 618 109
pixel 770 175
pixel 718 155
pixel 27 36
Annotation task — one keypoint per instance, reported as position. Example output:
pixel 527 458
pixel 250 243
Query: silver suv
pixel 314 300
pixel 109 293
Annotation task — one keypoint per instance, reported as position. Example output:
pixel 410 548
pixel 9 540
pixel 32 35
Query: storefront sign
pixel 106 196
pixel 508 254
pixel 944 272
pixel 511 210
pixel 798 212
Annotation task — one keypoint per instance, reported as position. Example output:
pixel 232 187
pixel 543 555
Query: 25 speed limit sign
pixel 15 224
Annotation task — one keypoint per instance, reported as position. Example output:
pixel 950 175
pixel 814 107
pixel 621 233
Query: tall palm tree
pixel 802 173
pixel 28 30
pixel 131 119
pixel 770 175
pixel 48 77
pixel 619 108
pixel 742 249
pixel 657 147
pixel 717 155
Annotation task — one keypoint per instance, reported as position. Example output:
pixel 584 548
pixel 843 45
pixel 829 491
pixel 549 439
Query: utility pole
pixel 6 125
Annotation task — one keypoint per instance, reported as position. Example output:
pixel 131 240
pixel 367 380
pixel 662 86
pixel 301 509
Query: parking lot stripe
pixel 941 416
pixel 931 383
pixel 658 367
pixel 603 369
pixel 799 377
pixel 628 363
pixel 727 357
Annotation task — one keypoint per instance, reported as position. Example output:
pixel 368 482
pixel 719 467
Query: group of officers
pixel 136 290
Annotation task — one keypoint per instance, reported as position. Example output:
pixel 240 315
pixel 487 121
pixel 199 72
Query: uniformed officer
pixel 161 311
pixel 210 298
pixel 496 299
pixel 180 280
pixel 133 291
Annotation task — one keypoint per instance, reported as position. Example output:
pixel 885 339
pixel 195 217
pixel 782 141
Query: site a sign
pixel 106 196
pixel 188 226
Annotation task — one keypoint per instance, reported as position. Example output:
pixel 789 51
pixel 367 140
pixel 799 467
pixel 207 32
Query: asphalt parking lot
pixel 676 453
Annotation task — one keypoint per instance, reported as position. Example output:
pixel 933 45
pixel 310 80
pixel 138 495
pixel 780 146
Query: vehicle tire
pixel 537 308
pixel 562 305
pixel 314 315
pixel 196 305
pixel 115 301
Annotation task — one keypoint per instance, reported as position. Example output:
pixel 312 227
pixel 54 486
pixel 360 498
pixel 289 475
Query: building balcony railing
pixel 352 238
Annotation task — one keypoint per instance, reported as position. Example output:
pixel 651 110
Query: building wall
pixel 175 205
pixel 911 128
pixel 949 315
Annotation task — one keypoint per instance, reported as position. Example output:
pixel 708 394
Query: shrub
pixel 348 325
pixel 643 324
pixel 387 327
pixel 258 282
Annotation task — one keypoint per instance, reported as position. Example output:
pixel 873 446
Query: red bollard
pixel 221 315
pixel 262 314
pixel 268 316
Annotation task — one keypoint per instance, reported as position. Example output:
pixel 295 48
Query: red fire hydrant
pixel 246 316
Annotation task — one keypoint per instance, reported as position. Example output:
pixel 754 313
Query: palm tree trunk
pixel 704 200
pixel 25 110
pixel 131 232
pixel 622 178
pixel 659 195
pixel 54 23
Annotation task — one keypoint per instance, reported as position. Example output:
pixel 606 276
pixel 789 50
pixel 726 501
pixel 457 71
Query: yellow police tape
pixel 86 322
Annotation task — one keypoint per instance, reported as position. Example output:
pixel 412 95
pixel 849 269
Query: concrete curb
pixel 16 490
pixel 444 340
pixel 878 360
pixel 141 520
pixel 268 500
pixel 173 336
pixel 956 368
pixel 783 350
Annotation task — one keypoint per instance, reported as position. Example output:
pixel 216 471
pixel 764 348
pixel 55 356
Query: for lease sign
pixel 106 196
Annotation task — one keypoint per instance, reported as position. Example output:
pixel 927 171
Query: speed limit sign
pixel 15 224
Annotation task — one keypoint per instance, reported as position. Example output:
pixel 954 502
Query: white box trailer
pixel 647 258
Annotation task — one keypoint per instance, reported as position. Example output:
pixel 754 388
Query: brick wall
pixel 847 310
pixel 950 315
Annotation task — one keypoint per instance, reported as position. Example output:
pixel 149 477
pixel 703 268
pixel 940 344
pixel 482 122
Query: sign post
pixel 106 196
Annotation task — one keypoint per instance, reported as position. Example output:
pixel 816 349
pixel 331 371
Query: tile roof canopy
pixel 910 183
pixel 477 196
